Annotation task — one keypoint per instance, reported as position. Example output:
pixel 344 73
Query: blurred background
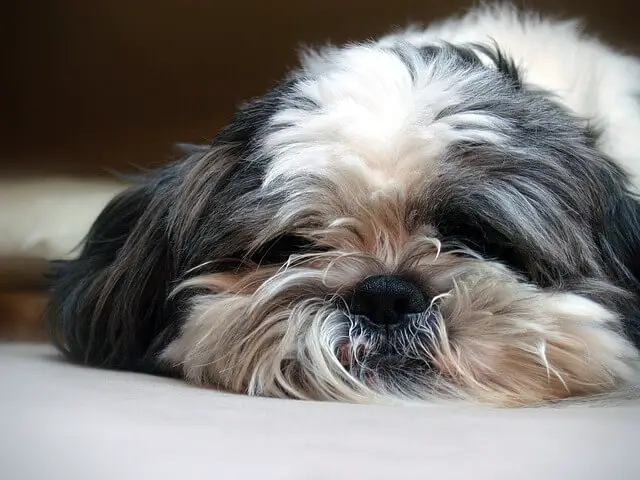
pixel 93 86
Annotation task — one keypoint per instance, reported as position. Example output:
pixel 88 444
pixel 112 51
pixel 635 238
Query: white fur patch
pixel 372 118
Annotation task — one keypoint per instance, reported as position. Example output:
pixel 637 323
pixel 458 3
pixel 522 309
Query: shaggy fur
pixel 488 160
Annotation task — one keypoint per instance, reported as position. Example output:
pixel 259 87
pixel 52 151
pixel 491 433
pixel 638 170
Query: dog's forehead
pixel 382 116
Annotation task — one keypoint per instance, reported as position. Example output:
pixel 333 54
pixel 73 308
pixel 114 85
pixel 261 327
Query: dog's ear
pixel 618 238
pixel 105 305
pixel 110 306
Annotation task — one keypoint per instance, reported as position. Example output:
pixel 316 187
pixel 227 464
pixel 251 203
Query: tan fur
pixel 509 344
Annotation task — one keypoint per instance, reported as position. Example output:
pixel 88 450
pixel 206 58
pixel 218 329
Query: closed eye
pixel 469 238
pixel 461 248
pixel 278 250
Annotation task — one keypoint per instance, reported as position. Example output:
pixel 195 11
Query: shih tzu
pixel 446 213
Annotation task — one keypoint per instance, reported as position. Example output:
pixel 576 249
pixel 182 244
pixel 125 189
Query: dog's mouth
pixel 388 371
pixel 370 344
pixel 378 357
pixel 349 353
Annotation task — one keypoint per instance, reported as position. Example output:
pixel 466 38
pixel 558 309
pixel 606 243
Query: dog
pixel 441 213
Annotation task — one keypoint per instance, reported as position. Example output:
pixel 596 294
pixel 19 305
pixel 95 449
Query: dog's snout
pixel 387 299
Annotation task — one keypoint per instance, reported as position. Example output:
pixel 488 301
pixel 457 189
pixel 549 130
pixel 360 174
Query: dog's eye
pixel 483 239
pixel 281 248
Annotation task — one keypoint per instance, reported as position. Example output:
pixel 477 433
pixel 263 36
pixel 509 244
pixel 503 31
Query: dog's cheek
pixel 532 346
pixel 206 351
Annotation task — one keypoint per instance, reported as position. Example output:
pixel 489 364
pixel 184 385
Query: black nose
pixel 387 299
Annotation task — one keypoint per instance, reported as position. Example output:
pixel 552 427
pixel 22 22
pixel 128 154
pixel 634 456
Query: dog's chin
pixel 396 375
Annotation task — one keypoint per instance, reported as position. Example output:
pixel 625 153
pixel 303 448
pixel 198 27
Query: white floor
pixel 59 421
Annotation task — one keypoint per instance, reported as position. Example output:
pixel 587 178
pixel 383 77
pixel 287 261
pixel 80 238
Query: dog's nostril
pixel 387 299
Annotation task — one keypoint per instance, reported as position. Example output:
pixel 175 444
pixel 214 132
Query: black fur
pixel 112 305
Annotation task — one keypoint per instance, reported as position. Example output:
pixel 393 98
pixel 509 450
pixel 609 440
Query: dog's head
pixel 390 222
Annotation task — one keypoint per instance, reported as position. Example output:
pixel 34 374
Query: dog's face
pixel 393 223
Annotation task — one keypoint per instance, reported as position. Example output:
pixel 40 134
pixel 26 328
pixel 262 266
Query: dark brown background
pixel 90 85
